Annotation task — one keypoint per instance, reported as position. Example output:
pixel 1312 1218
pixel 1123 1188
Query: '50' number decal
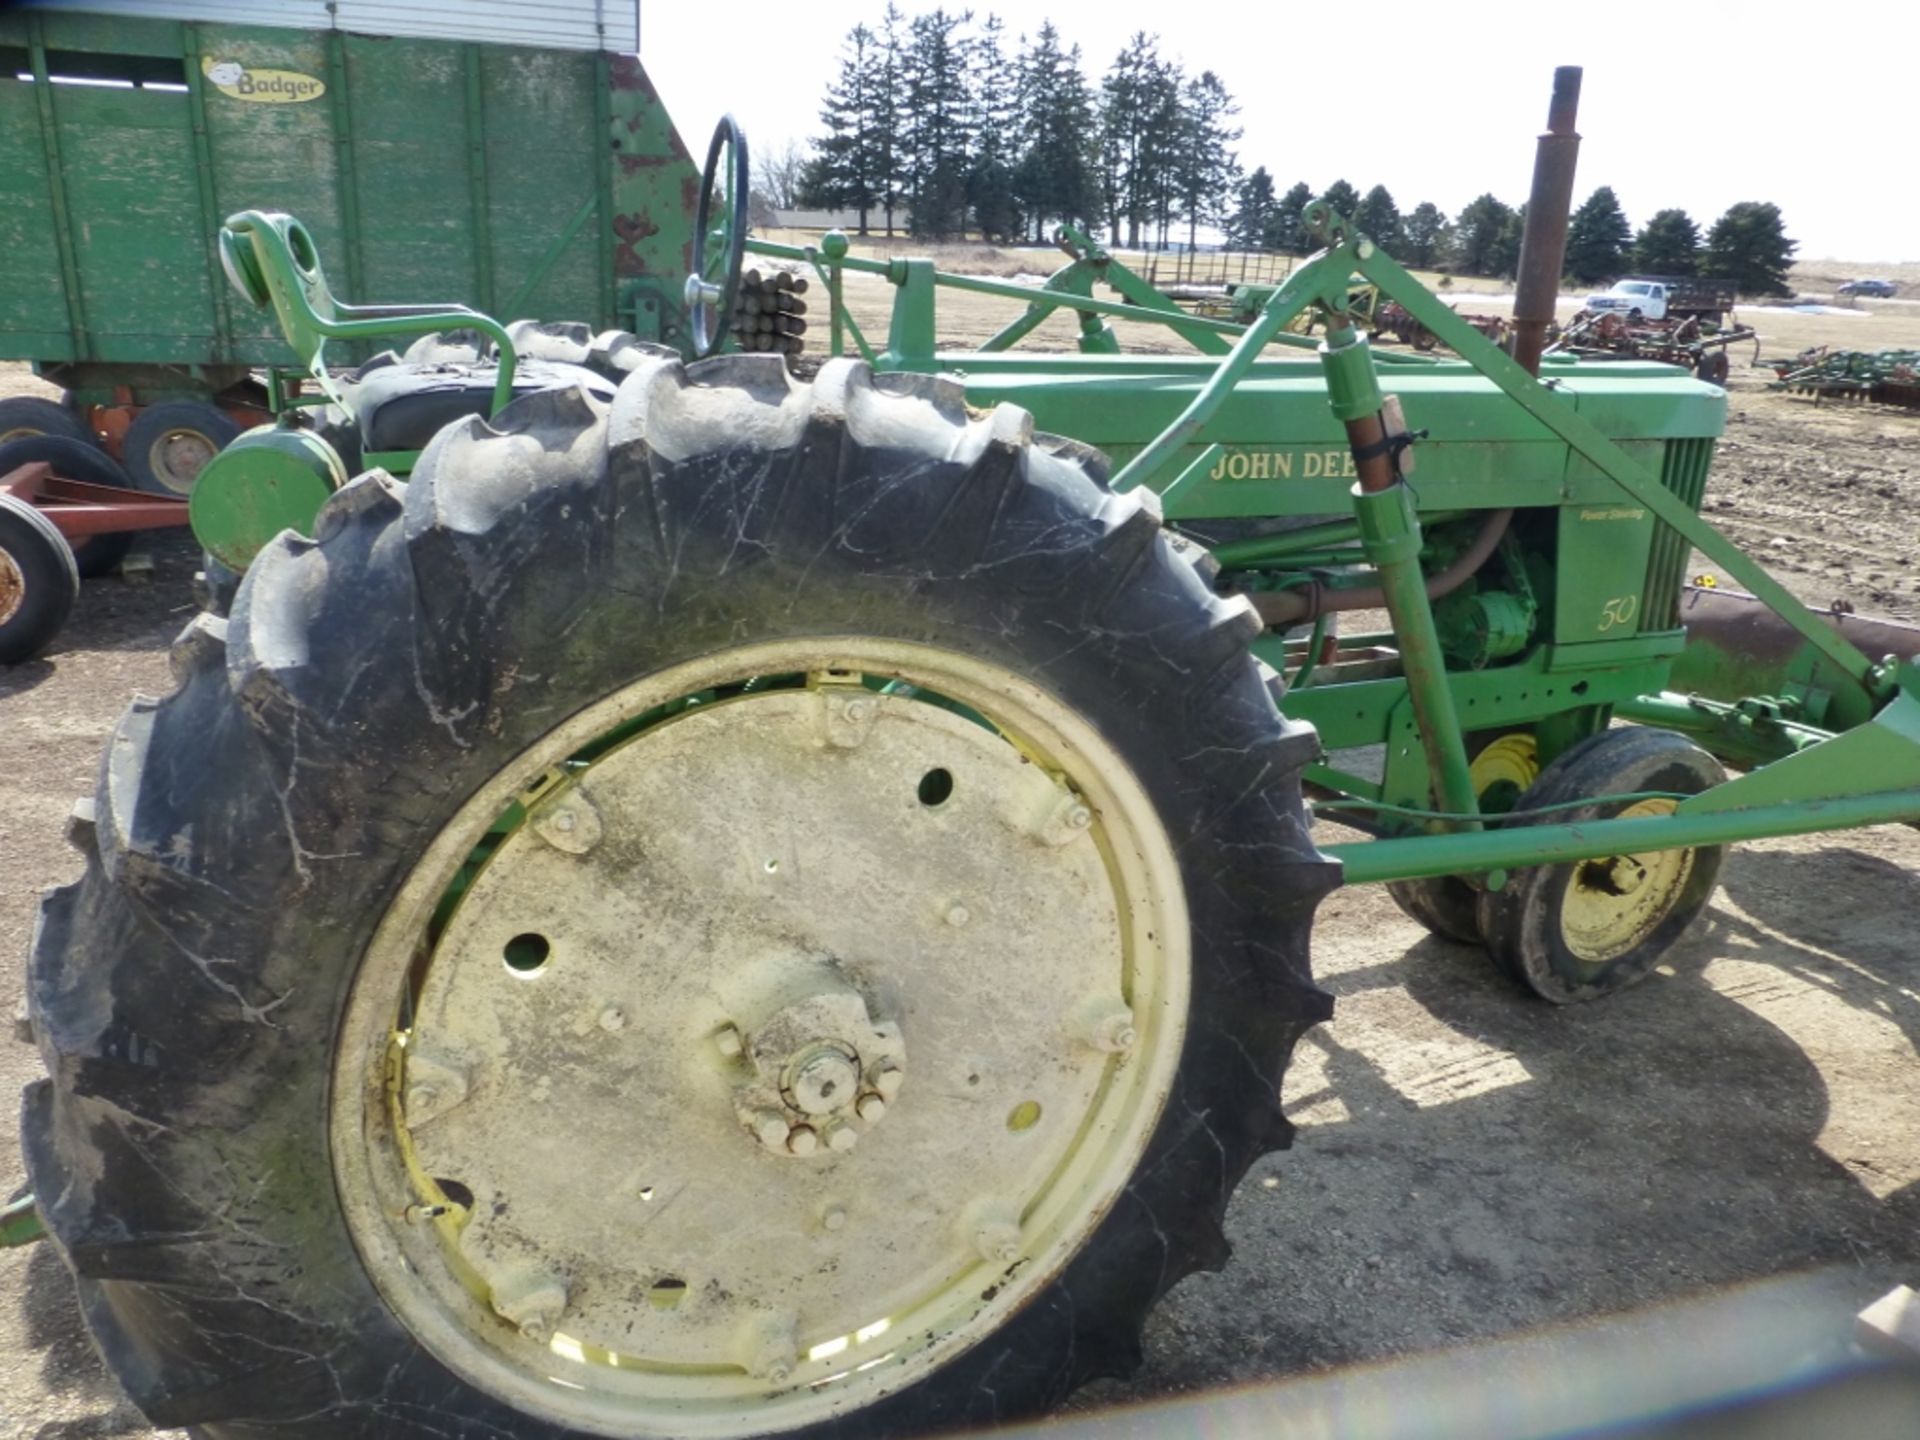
pixel 1619 611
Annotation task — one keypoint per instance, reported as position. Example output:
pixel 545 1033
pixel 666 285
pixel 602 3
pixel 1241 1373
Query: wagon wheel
pixel 1713 367
pixel 72 459
pixel 25 415
pixel 169 444
pixel 711 937
pixel 38 581
pixel 1583 930
pixel 719 238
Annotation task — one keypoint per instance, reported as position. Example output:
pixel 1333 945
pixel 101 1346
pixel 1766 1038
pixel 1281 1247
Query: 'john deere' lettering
pixel 1330 464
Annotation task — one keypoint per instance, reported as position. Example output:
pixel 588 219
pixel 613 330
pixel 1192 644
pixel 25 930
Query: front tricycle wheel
pixel 765 909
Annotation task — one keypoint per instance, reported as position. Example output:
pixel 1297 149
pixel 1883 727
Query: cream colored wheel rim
pixel 786 1050
pixel 13 588
pixel 178 457
pixel 1615 903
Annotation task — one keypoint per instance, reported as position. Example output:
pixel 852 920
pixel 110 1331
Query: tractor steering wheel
pixel 719 238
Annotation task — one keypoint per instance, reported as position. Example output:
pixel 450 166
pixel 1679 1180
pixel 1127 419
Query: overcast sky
pixel 1685 104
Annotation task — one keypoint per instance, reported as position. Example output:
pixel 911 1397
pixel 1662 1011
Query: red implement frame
pixel 79 510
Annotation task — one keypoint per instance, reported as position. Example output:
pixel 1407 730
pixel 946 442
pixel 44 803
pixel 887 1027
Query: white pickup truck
pixel 1660 297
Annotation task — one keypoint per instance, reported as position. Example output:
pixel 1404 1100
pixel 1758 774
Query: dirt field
pixel 1621 1211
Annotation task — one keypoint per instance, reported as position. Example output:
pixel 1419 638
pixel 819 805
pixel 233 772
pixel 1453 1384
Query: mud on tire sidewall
pixel 373 678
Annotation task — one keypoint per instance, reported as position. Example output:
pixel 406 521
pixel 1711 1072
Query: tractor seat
pixel 403 405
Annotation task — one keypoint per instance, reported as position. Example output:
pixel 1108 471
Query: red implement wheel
pixel 38 581
pixel 72 459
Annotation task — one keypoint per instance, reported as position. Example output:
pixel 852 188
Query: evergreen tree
pixel 934 138
pixel 1480 236
pixel 996 107
pixel 1288 233
pixel 1343 198
pixel 1749 246
pixel 1378 218
pixel 889 106
pixel 1255 213
pixel 1597 237
pixel 1668 244
pixel 1054 177
pixel 1140 134
pixel 844 173
pixel 1206 167
pixel 1424 231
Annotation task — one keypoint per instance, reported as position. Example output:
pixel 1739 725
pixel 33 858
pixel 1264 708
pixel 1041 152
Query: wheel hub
pixel 651 1112
pixel 816 1074
pixel 13 587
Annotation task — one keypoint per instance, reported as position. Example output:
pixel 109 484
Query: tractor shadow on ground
pixel 1475 1162
pixel 1856 943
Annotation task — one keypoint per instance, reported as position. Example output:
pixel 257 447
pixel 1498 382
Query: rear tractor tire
pixel 765 908
pixel 1584 930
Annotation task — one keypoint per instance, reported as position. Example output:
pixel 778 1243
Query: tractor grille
pixel 1684 472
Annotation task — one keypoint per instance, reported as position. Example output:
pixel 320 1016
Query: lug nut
pixel 872 1107
pixel 801 1140
pixel 887 1077
pixel 841 1137
pixel 770 1129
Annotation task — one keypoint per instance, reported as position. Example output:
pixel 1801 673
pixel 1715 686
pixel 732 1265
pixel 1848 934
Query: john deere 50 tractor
pixel 722 899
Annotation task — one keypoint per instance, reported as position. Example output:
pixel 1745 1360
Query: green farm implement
pixel 729 897
pixel 1891 377
pixel 524 179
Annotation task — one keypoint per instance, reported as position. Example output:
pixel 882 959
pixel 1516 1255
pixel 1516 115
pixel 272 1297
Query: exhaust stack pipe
pixel 1543 244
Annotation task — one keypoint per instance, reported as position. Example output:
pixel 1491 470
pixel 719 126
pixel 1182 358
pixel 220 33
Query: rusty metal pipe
pixel 1309 602
pixel 1543 244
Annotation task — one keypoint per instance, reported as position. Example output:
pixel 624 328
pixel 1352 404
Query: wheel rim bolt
pixel 887 1078
pixel 802 1140
pixel 841 1137
pixel 872 1108
pixel 771 1131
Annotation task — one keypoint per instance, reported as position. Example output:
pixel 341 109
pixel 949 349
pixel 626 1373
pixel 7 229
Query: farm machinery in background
pixel 1677 320
pixel 424 145
pixel 1891 377
pixel 740 897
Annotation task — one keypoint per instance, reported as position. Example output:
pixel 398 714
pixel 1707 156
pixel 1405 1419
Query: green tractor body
pixel 726 899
